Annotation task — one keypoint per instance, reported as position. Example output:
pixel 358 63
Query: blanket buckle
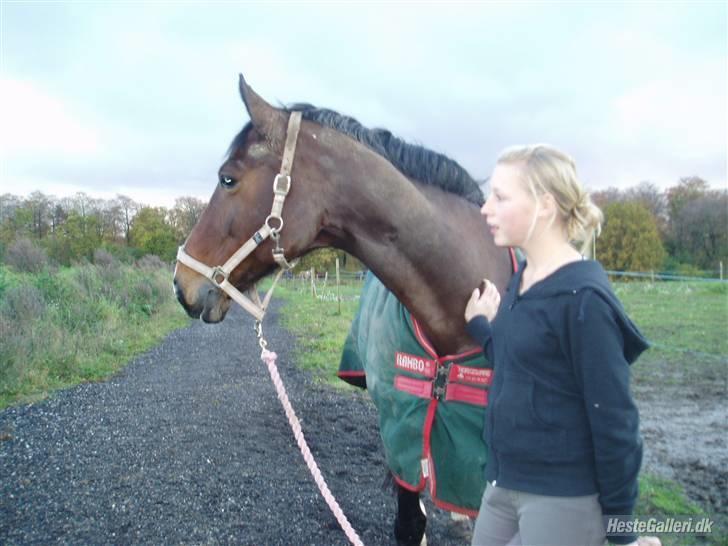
pixel 439 384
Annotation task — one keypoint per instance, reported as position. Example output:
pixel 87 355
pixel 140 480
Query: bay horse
pixel 409 214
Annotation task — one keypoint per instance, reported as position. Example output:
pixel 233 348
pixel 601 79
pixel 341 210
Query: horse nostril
pixel 178 292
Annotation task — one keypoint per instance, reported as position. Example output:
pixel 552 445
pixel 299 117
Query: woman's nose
pixel 483 209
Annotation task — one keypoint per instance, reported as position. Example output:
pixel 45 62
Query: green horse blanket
pixel 431 407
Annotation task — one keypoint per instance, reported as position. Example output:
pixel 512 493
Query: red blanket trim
pixel 422 339
pixel 404 485
pixel 427 346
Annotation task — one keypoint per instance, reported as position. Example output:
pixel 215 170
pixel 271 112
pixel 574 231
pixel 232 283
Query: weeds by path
pixel 72 325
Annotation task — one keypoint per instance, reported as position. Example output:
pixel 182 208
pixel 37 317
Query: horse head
pixel 242 202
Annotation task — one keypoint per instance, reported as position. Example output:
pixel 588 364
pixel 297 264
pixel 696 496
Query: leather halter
pixel 218 275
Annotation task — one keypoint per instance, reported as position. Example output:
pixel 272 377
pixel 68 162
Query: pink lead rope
pixel 269 358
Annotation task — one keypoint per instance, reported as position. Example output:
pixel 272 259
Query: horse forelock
pixel 412 160
pixel 239 140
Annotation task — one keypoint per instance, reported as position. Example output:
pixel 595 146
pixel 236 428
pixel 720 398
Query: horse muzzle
pixel 208 303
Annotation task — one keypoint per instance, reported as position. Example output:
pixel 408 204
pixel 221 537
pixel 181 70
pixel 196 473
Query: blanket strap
pixel 451 389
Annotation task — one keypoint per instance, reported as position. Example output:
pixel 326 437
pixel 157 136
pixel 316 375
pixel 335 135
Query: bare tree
pixel 688 189
pixel 40 206
pixel 8 205
pixel 703 229
pixel 58 215
pixel 649 196
pixel 185 214
pixel 127 210
pixel 603 198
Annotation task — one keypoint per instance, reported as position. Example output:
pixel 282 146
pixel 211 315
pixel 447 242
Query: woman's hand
pixel 483 304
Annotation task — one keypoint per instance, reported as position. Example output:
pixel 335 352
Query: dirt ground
pixel 685 432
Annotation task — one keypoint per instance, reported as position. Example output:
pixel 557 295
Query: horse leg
pixel 409 527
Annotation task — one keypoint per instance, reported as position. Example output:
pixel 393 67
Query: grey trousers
pixel 514 518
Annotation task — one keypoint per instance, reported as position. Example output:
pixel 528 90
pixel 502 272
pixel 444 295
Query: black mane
pixel 411 160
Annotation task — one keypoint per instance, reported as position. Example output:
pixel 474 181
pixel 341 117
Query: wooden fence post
pixel 313 282
pixel 338 297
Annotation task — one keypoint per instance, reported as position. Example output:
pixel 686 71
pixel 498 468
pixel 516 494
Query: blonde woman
pixel 561 426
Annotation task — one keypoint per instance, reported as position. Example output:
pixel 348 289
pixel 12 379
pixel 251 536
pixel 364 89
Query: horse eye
pixel 226 181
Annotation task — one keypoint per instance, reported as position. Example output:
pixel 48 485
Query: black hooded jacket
pixel 561 419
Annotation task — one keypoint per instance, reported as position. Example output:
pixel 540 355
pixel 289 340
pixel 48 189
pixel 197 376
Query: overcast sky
pixel 141 98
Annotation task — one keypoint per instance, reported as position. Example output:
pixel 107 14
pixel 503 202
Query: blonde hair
pixel 545 169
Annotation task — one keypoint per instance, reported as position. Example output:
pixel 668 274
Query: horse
pixel 409 214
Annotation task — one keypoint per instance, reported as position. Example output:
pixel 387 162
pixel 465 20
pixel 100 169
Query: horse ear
pixel 268 120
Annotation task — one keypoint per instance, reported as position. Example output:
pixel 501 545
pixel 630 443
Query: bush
pixel 630 240
pixel 689 270
pixel 122 253
pixel 151 262
pixel 87 281
pixel 25 257
pixel 103 258
pixel 22 303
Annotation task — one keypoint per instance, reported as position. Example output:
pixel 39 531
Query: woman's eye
pixel 226 181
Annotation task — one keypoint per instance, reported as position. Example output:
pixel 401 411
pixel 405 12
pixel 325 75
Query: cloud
pixel 36 123
pixel 677 114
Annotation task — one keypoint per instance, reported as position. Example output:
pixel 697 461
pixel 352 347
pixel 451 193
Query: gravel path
pixel 189 445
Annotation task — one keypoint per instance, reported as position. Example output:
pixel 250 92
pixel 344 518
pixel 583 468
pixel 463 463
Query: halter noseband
pixel 219 274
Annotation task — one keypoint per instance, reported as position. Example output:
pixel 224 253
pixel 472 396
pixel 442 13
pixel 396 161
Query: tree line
pixel 682 229
pixel 70 229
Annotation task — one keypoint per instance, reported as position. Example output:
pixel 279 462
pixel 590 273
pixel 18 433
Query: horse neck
pixel 429 247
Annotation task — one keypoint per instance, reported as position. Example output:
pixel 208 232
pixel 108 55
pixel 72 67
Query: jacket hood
pixel 577 276
pixel 567 278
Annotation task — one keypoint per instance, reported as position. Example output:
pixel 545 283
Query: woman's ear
pixel 548 207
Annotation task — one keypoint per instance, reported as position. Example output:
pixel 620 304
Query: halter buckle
pixel 285 180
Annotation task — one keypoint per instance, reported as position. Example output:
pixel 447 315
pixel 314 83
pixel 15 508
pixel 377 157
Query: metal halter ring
pixel 218 271
pixel 274 217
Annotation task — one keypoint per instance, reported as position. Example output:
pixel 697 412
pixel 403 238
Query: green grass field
pixel 680 319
